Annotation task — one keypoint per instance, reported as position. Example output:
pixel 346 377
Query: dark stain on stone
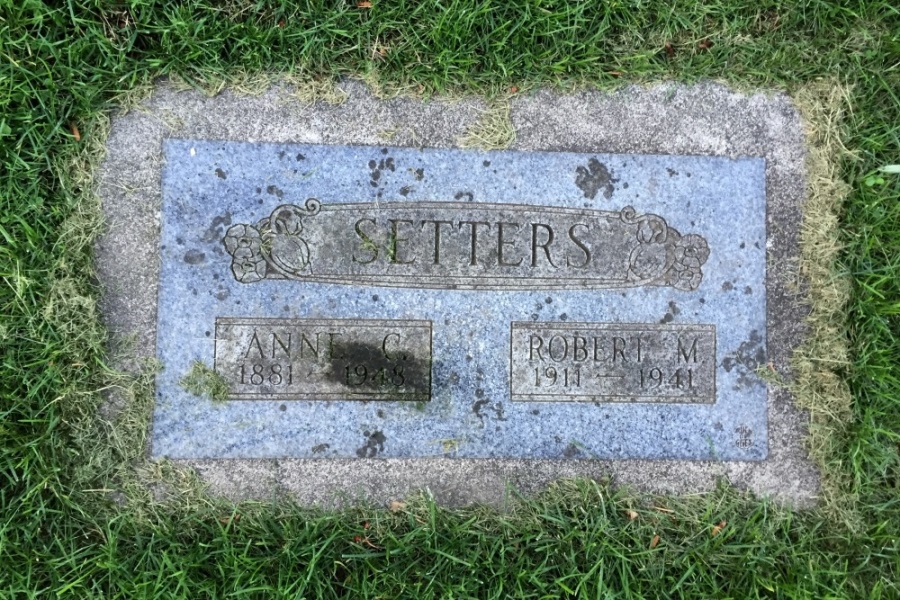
pixel 319 448
pixel 468 196
pixel 548 300
pixel 479 406
pixel 674 311
pixel 259 190
pixel 479 393
pixel 742 246
pixel 486 163
pixel 718 426
pixel 194 257
pixel 179 241
pixel 275 191
pixel 221 174
pixel 727 286
pixel 405 190
pixel 535 412
pixel 374 297
pixel 420 174
pixel 281 154
pixel 572 450
pixel 380 413
pixel 369 370
pixel 377 167
pixel 216 229
pixel 593 178
pixel 564 317
pixel 625 186
pixel 534 316
pixel 300 157
pixel 671 172
pixel 750 355
pixel 748 290
pixel 384 150
pixel 223 294
pixel 374 444
pixel 208 333
pixel 283 407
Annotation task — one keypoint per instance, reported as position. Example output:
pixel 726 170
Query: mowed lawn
pixel 73 520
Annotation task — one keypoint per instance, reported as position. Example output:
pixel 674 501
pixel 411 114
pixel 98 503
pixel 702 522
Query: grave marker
pixel 609 290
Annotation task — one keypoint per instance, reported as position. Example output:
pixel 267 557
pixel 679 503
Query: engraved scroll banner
pixel 466 245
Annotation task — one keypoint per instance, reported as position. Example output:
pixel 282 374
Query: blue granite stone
pixel 210 186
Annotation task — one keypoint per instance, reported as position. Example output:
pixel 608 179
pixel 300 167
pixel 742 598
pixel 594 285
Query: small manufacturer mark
pixel 745 437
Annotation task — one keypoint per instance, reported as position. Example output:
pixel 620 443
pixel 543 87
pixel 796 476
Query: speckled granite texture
pixel 756 137
pixel 209 187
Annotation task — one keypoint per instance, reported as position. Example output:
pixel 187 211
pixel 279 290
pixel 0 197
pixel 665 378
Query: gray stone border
pixel 705 119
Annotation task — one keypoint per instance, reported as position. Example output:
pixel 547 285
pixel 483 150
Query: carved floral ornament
pixel 274 244
pixel 663 252
pixel 643 248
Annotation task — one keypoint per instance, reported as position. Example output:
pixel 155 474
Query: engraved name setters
pixel 463 245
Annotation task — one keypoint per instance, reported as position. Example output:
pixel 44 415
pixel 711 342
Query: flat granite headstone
pixel 398 302
pixel 576 305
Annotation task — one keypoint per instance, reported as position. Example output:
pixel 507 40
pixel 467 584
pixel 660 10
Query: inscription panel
pixel 324 359
pixel 612 362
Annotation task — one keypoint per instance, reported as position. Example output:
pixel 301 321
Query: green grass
pixel 62 67
pixel 203 381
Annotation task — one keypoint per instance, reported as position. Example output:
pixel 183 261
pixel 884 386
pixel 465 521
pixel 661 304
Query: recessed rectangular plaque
pixel 463 245
pixel 324 359
pixel 611 362
pixel 403 302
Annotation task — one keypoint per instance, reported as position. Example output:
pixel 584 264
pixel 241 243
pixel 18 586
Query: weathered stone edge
pixel 706 119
